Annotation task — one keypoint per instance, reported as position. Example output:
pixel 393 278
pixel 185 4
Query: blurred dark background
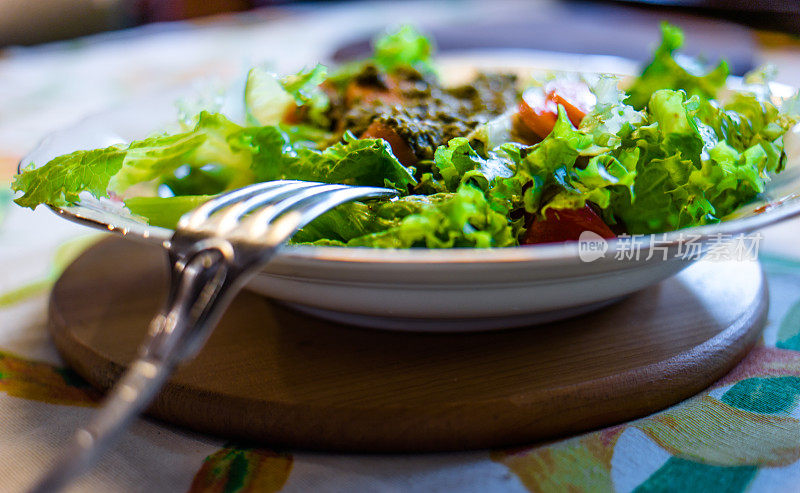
pixel 621 28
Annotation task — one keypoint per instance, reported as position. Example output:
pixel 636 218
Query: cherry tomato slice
pixel 561 225
pixel 400 148
pixel 538 108
pixel 575 96
pixel 537 112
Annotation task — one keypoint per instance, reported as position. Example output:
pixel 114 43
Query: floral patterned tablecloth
pixel 742 434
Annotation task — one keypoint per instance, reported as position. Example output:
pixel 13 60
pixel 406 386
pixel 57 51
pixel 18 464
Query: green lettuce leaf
pixel 745 121
pixel 665 72
pixel 538 167
pixel 678 130
pixel 307 135
pixel 164 211
pixel 344 223
pixel 154 158
pixel 558 150
pixel 697 162
pixel 596 182
pixel 266 101
pixel 268 98
pixel 192 180
pixel 304 87
pixel 429 184
pixel 117 168
pixel 270 150
pixel 219 147
pixel 610 118
pixel 458 163
pixel 209 144
pixel 670 145
pixel 368 162
pixel 405 47
pixel 461 219
pixel 60 181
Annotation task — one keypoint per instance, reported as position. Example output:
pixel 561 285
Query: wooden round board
pixel 272 375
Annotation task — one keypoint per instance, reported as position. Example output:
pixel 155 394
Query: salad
pixel 501 161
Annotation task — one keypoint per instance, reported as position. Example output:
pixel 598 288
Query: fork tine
pixel 304 209
pixel 227 219
pixel 200 215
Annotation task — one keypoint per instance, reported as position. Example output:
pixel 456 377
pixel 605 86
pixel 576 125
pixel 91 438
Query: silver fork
pixel 214 251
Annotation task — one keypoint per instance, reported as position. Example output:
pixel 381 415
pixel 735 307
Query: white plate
pixel 440 290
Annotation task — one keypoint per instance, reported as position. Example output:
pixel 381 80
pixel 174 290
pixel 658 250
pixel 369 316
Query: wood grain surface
pixel 271 375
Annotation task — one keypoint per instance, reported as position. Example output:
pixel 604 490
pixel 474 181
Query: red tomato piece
pixel 537 112
pixel 400 149
pixel 561 225
pixel 538 108
pixel 575 96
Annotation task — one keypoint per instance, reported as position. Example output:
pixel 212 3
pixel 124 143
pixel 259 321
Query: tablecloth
pixel 742 434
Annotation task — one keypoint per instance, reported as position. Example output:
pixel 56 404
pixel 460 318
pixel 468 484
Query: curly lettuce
pixel 405 47
pixel 669 71
pixel 460 219
pixel 401 48
pixel 694 166
pixel 368 162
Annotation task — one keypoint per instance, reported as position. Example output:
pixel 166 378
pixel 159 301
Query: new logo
pixel 591 246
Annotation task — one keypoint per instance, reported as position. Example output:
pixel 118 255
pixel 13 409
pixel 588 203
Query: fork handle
pixel 130 396
pixel 201 286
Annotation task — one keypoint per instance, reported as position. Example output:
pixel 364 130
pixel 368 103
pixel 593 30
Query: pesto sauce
pixel 429 114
